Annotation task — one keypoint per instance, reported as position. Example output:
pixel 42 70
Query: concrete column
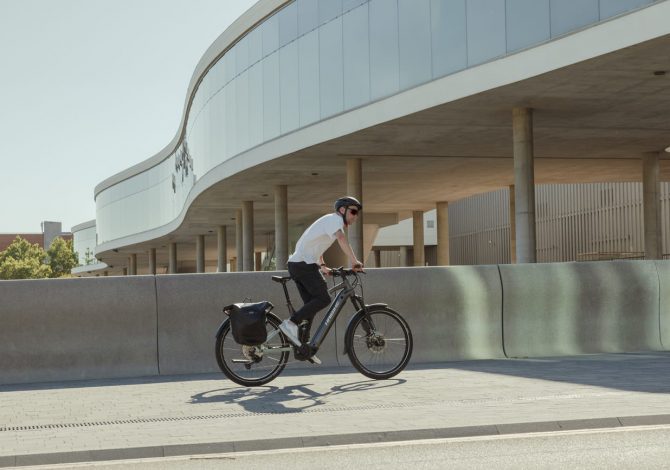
pixel 512 225
pixel 199 253
pixel 233 264
pixel 652 208
pixel 403 256
pixel 259 261
pixel 152 261
pixel 281 226
pixel 355 189
pixel 524 184
pixel 172 258
pixel 442 213
pixel 238 241
pixel 419 250
pixel 125 271
pixel 221 244
pixel 132 264
pixel 378 258
pixel 247 235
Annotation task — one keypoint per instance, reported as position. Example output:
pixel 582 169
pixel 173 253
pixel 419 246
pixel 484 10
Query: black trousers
pixel 313 290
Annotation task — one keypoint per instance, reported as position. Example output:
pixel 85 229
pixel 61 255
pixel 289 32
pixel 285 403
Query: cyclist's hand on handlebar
pixel 357 267
pixel 325 270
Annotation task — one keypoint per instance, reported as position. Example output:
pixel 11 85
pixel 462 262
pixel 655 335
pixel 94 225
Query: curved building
pixel 405 103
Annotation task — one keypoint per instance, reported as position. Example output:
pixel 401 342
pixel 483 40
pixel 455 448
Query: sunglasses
pixel 353 211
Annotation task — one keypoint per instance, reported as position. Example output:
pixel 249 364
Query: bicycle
pixel 377 340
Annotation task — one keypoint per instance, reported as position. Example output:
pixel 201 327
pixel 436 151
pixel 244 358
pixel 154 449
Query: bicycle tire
pixel 383 353
pixel 269 366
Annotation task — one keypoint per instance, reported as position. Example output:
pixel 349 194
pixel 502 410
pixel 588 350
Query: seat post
pixel 288 299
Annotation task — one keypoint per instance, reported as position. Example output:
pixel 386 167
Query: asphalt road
pixel 631 447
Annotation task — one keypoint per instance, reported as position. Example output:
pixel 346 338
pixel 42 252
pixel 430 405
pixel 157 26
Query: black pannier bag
pixel 247 322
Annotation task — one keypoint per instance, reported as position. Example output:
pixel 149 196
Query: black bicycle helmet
pixel 347 201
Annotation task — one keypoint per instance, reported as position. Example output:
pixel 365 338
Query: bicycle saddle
pixel 281 279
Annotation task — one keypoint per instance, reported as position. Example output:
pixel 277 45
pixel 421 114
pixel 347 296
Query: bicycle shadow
pixel 289 399
pixel 366 385
pixel 264 399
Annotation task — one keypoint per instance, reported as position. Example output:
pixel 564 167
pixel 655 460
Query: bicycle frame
pixel 346 292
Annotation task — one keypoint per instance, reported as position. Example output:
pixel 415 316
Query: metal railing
pixel 609 256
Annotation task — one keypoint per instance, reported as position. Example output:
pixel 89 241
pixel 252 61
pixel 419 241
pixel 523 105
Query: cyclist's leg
pixel 313 290
pixel 302 290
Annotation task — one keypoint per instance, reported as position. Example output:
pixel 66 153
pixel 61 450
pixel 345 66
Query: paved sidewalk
pixel 114 419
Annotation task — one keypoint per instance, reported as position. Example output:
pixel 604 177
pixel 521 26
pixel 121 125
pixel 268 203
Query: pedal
pixel 302 353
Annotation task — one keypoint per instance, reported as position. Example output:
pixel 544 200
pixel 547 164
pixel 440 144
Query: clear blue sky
pixel 89 88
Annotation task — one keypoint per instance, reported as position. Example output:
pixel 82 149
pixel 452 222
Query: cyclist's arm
pixel 322 266
pixel 346 248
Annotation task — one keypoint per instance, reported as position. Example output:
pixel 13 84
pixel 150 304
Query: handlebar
pixel 342 272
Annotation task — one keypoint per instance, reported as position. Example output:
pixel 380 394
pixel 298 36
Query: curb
pixel 326 440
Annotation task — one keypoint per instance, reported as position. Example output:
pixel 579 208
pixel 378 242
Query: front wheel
pixel 252 366
pixel 379 342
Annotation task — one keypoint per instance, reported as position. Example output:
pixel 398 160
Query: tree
pixel 21 260
pixel 62 257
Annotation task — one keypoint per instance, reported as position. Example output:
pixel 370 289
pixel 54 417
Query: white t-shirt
pixel 317 239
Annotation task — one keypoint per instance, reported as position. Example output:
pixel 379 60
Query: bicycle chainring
pixel 302 353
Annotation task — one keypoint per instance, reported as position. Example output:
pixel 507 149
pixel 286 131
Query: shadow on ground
pixel 637 372
pixel 289 399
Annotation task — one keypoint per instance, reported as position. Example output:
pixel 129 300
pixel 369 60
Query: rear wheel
pixel 252 366
pixel 379 343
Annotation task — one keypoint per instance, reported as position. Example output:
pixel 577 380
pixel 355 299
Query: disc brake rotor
pixel 375 343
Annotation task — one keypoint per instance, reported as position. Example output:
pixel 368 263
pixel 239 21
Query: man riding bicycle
pixel 306 265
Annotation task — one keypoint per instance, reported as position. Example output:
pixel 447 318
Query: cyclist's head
pixel 350 204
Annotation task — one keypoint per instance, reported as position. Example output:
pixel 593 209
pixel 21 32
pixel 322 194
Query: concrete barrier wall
pixel 69 329
pixel 663 268
pixel 578 308
pixel 454 312
pixel 53 330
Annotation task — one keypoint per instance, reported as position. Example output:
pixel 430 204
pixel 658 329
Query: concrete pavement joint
pixel 240 414
pixel 284 410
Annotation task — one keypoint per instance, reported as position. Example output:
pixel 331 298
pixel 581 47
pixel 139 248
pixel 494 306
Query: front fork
pixel 367 323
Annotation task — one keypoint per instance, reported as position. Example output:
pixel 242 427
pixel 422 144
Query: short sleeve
pixel 334 224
